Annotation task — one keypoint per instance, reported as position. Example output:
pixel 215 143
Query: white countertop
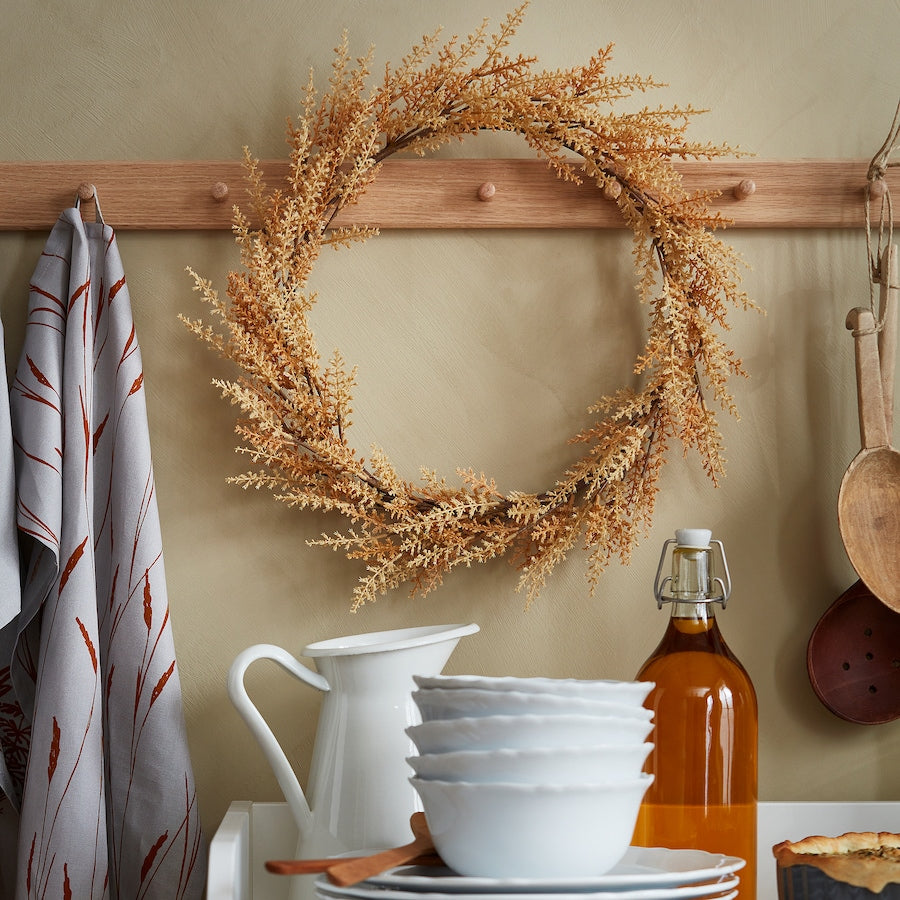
pixel 251 832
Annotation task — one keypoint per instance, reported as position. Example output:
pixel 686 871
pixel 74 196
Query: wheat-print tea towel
pixel 10 604
pixel 10 596
pixel 107 805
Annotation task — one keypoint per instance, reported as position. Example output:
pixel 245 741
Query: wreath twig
pixel 298 413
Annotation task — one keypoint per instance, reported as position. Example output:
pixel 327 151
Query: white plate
pixel 723 890
pixel 622 691
pixel 640 867
pixel 440 703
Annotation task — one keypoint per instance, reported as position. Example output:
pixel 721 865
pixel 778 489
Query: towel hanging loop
pixel 87 191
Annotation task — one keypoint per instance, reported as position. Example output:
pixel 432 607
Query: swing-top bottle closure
pixel 693 579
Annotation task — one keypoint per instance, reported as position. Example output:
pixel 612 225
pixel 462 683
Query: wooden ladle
pixel 869 498
pixel 853 655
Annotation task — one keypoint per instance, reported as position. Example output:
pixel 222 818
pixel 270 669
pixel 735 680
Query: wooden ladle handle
pixel 872 425
pixel 356 870
pixel 314 866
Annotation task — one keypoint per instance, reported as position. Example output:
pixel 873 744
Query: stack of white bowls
pixel 535 778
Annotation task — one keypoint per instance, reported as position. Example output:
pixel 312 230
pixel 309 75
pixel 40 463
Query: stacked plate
pixel 531 789
pixel 650 873
pixel 530 777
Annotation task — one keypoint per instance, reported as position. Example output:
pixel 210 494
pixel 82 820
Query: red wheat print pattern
pixel 58 309
pixel 103 627
pixel 54 751
pixel 41 377
pixel 35 393
pixel 30 863
pixel 79 292
pixel 162 683
pixel 151 855
pixel 72 561
pixel 148 602
pixel 116 288
pixel 88 643
pixel 98 432
pixel 15 732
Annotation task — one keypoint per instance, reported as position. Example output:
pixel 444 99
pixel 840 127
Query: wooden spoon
pixel 853 654
pixel 355 870
pixel 869 498
pixel 314 866
pixel 352 869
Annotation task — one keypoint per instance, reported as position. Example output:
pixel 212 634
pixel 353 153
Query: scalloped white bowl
pixel 449 703
pixel 531 831
pixel 543 765
pixel 520 732
pixel 634 692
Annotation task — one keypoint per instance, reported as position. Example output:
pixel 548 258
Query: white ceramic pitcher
pixel 359 793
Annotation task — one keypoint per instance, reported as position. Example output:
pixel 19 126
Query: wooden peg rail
pixel 431 193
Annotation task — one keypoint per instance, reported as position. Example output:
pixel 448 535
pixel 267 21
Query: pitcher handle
pixel 259 728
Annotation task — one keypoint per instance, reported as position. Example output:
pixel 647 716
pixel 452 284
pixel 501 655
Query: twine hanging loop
pixel 877 189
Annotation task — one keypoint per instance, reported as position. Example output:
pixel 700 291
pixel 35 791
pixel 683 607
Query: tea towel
pixel 107 804
pixel 10 604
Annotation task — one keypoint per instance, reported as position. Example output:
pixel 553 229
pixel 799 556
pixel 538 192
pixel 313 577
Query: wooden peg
pixel 744 188
pixel 611 190
pixel 486 191
pixel 219 191
pixel 86 191
pixel 877 188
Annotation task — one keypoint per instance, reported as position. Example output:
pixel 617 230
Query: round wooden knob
pixel 86 191
pixel 486 191
pixel 219 191
pixel 744 188
pixel 877 188
pixel 611 190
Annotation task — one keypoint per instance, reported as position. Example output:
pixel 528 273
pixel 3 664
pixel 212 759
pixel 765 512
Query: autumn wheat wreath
pixel 297 411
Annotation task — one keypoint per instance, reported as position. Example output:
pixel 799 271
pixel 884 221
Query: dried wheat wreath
pixel 297 413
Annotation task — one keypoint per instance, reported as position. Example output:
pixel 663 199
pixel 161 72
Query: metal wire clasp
pixel 721 595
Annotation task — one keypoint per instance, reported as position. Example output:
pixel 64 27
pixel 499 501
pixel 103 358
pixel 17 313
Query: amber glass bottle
pixel 705 725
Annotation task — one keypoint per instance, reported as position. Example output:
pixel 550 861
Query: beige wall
pixel 482 349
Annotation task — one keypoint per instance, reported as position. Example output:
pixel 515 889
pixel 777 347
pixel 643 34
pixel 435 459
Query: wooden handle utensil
pixel 869 498
pixel 315 866
pixel 852 653
pixel 356 870
pixel 349 870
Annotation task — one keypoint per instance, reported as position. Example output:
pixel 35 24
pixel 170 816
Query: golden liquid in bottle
pixel 705 755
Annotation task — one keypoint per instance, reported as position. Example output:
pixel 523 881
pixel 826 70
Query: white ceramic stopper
pixel 696 538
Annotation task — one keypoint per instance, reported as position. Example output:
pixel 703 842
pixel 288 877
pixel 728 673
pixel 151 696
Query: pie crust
pixel 864 859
